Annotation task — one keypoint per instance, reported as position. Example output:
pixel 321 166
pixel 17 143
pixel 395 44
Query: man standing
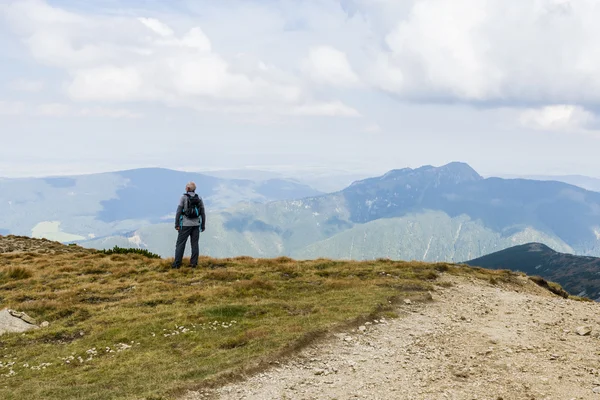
pixel 189 221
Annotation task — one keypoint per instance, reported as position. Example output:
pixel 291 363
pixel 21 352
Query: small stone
pixel 319 371
pixel 348 338
pixel 362 328
pixel 407 301
pixel 45 324
pixel 596 390
pixel 462 373
pixel 583 330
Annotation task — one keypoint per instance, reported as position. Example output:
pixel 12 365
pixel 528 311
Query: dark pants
pixel 193 232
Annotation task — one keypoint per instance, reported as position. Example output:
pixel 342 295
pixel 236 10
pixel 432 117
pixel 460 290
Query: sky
pixel 508 86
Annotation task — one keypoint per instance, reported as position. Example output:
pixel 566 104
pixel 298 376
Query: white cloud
pixel 329 66
pixel 108 83
pixel 53 110
pixel 566 118
pixel 541 51
pixel 195 38
pixel 26 85
pixel 156 26
pixel 12 108
pixel 385 76
pixel 331 109
pixel 104 112
pixel 373 128
pixel 125 59
pixel 61 110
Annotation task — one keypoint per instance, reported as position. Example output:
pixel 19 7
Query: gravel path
pixel 473 341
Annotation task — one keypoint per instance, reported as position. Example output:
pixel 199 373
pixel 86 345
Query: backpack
pixel 193 206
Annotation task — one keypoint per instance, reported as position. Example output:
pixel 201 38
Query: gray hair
pixel 190 187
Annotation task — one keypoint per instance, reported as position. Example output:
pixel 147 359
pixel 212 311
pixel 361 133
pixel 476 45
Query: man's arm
pixel 203 216
pixel 178 213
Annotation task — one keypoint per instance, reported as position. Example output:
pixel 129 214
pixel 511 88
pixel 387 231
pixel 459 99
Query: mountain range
pixel 447 213
pixel 579 275
pixel 326 180
pixel 76 208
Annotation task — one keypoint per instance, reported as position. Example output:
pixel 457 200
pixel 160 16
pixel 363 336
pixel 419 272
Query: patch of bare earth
pixel 475 340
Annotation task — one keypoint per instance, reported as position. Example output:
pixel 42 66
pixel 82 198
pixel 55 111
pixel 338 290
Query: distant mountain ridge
pixel 446 213
pixel 401 191
pixel 149 192
pixel 584 182
pixel 579 275
pixel 565 211
pixel 86 206
pixel 326 180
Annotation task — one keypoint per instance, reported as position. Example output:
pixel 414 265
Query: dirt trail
pixel 473 341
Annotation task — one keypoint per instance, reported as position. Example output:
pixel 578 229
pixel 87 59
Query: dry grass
pixel 551 286
pixel 15 273
pixel 125 326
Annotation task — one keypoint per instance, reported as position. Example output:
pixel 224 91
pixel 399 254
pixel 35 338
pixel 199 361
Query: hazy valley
pixel 447 213
pixel 81 207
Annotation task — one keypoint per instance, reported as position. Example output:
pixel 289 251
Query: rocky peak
pixel 449 174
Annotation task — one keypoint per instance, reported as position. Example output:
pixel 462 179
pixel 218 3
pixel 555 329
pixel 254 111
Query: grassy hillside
pixel 124 326
pixel 430 236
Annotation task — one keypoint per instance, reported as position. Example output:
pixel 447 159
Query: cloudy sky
pixel 509 86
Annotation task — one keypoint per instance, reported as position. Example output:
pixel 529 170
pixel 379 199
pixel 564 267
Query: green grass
pixel 125 326
pixel 121 250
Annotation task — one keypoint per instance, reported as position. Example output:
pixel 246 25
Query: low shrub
pixel 122 250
